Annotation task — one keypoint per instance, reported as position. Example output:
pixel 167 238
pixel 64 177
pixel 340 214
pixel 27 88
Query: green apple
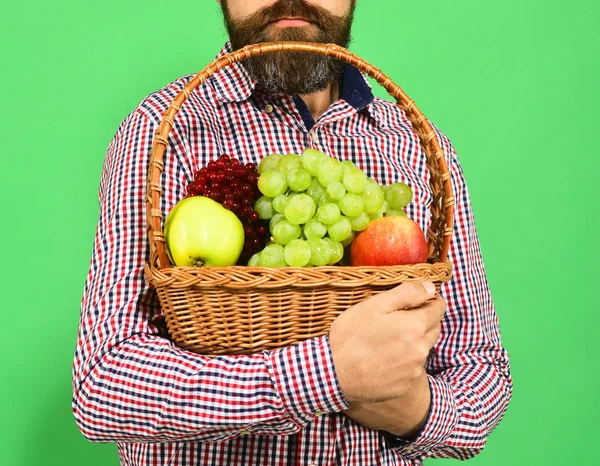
pixel 199 231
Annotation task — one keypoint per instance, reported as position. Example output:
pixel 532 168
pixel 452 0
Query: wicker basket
pixel 242 310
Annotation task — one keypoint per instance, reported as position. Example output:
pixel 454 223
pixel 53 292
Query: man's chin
pixel 308 33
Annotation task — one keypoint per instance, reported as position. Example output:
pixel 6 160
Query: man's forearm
pixel 275 394
pixel 403 417
pixel 465 405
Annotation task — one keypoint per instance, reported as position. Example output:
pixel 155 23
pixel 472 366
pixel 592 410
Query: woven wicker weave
pixel 242 310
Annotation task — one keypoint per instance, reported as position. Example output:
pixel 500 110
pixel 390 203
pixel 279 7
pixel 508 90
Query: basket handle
pixel 442 206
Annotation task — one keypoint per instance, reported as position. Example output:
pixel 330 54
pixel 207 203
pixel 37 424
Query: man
pixel 400 377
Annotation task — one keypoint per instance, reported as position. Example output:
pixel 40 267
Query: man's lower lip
pixel 290 23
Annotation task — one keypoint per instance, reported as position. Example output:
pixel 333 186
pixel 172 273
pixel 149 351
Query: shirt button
pixel 320 413
pixel 245 432
pixel 269 108
pixel 314 137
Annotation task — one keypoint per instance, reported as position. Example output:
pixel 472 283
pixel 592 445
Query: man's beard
pixel 291 72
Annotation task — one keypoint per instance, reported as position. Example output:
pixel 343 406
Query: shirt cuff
pixel 306 380
pixel 442 419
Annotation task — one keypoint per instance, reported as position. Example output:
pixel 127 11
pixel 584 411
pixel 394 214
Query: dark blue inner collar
pixel 354 90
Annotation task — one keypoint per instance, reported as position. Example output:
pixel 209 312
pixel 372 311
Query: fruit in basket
pixel 300 209
pixel 398 195
pixel 299 179
pixel 318 203
pixel 272 183
pixel 360 222
pixel 393 240
pixel 264 207
pixel 354 181
pixel 315 190
pixel 235 185
pixel 336 190
pixel 373 196
pixel 396 213
pixel 312 159
pixel 279 203
pixel 328 213
pixel 289 163
pixel 337 251
pixel 297 253
pixel 199 231
pixel 283 232
pixel 269 163
pixel 320 251
pixel 383 210
pixel 351 205
pixel 314 229
pixel 330 171
pixel 340 230
pixel 271 256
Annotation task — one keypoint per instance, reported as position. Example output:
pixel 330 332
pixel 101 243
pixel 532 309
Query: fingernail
pixel 429 287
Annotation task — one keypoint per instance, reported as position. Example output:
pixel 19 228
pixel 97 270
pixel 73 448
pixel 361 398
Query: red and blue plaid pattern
pixel 165 406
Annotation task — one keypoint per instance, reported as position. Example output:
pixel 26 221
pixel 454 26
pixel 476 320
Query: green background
pixel 514 85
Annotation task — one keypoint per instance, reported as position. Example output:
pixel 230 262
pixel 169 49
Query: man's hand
pixel 404 416
pixel 380 345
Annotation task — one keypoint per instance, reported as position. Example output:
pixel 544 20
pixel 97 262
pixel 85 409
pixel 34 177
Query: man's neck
pixel 320 101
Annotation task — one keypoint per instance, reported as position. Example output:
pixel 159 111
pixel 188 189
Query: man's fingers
pixel 406 296
pixel 433 335
pixel 426 319
pixel 434 309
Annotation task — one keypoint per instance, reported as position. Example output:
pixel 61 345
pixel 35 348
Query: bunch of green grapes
pixel 315 205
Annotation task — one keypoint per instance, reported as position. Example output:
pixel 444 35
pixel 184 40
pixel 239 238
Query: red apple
pixel 389 241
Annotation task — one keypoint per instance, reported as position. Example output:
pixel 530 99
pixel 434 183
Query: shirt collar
pixel 234 84
pixel 356 90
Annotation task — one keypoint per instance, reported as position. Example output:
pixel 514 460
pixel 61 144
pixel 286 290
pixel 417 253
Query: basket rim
pixel 240 277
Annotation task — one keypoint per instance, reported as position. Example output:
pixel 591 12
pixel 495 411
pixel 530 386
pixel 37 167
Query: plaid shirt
pixel 164 405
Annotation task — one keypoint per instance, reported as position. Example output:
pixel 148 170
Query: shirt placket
pixel 337 111
pixel 288 113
